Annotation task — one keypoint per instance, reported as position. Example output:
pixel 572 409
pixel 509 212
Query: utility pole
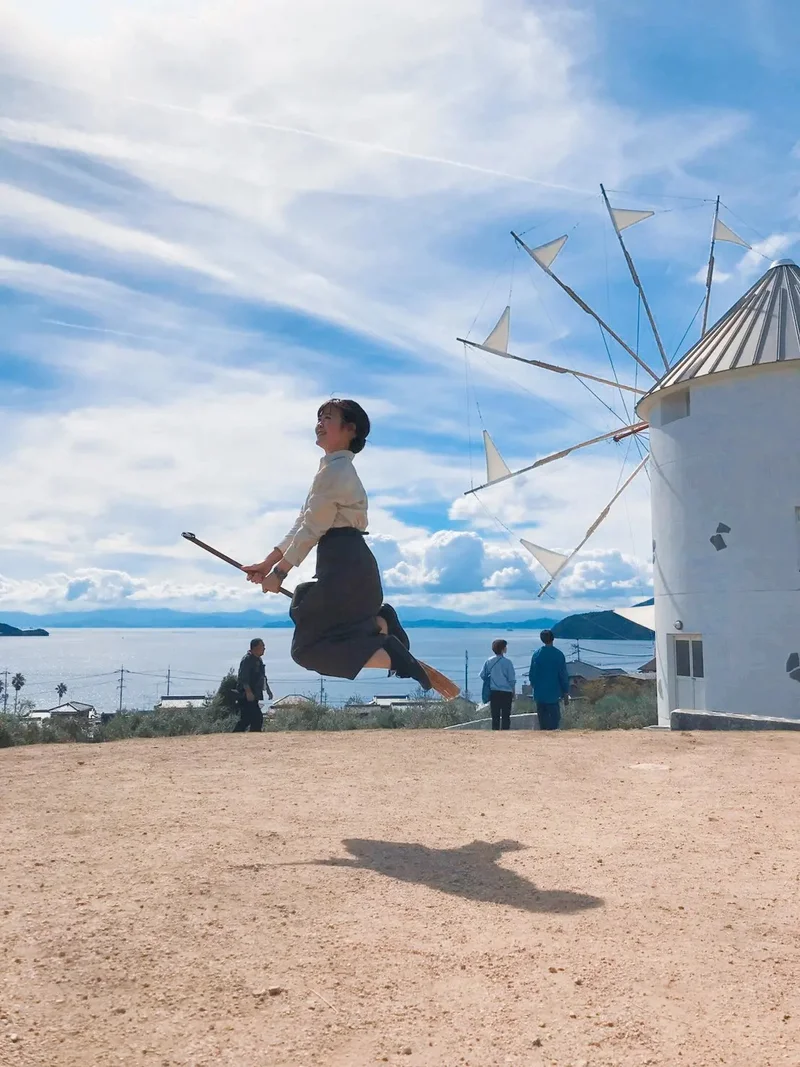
pixel 321 690
pixel 169 670
pixel 466 674
pixel 5 692
pixel 121 685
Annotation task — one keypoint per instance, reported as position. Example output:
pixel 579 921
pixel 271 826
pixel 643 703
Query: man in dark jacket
pixel 550 682
pixel 252 681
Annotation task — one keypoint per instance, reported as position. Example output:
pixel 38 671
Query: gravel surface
pixel 420 898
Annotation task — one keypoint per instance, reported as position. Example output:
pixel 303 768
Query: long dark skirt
pixel 335 625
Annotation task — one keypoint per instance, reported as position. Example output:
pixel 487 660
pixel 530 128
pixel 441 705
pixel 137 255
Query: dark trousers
pixel 250 717
pixel 500 703
pixel 549 716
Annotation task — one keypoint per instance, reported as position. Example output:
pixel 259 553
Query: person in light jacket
pixel 500 679
pixel 550 682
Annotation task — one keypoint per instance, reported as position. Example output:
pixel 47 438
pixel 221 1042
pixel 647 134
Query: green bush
pixel 615 711
pixel 207 719
pixel 428 714
pixel 626 706
pixel 18 731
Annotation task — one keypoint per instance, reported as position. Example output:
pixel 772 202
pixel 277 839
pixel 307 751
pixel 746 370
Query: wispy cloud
pixel 213 218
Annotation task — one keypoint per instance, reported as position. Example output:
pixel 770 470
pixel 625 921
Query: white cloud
pixel 294 219
pixel 23 212
pixel 327 160
pixel 757 259
pixel 600 574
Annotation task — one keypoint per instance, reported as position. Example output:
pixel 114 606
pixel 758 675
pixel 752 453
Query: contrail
pixel 344 142
pixel 368 146
pixel 98 329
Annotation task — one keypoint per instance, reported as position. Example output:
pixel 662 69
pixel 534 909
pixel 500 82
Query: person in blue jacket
pixel 550 682
pixel 499 682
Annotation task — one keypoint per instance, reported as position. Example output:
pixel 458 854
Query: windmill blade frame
pixel 635 427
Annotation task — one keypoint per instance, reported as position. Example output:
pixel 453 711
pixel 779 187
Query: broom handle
pixel 221 555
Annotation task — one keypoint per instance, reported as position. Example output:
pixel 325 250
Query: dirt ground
pixel 420 898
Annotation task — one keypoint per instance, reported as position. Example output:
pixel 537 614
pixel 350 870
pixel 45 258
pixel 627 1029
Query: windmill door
pixel 688 673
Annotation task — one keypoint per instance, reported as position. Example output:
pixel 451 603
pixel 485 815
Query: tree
pixel 61 689
pixel 17 683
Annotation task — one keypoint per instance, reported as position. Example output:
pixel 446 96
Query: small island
pixel 12 631
pixel 600 626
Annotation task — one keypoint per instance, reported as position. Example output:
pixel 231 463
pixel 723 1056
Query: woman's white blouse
pixel 336 498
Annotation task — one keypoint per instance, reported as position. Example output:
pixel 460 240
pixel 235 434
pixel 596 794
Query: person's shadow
pixel 471 871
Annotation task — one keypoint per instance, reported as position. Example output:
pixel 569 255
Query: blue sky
pixel 212 217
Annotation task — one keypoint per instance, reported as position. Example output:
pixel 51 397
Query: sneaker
pixel 390 617
pixel 404 665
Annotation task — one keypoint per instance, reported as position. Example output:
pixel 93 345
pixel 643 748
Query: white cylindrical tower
pixel 725 475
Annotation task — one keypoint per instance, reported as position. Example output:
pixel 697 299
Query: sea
pixel 91 663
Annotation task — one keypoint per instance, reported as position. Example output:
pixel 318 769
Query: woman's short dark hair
pixel 351 414
pixel 499 646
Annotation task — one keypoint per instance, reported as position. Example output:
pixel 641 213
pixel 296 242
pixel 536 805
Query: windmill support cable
pixel 636 280
pixel 554 456
pixel 710 272
pixel 553 367
pixel 603 515
pixel 585 307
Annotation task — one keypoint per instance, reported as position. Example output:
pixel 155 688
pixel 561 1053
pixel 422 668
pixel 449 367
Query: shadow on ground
pixel 471 871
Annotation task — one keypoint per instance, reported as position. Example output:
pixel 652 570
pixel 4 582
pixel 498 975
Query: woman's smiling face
pixel 333 435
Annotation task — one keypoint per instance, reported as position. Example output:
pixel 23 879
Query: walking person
pixel 550 681
pixel 499 683
pixel 251 683
pixel 342 624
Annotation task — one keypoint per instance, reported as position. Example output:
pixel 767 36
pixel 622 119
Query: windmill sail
pixel 498 338
pixel 496 466
pixel 624 217
pixel 644 615
pixel 725 233
pixel 550 560
pixel 545 255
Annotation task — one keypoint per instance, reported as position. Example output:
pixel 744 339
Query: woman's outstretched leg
pixel 391 621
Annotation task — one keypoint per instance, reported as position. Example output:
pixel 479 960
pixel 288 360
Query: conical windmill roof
pixel 762 327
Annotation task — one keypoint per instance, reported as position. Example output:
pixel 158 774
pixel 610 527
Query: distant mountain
pixel 600 626
pixel 150 618
pixel 481 624
pixel 12 631
pixel 591 626
pixel 167 619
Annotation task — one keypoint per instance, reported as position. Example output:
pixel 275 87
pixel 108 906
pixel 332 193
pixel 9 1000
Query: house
pixel 580 673
pixel 291 700
pixel 73 709
pixel 178 703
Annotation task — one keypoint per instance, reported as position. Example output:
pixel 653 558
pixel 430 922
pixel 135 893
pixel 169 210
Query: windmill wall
pixel 725 473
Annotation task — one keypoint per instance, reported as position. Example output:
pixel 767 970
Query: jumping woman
pixel 342 624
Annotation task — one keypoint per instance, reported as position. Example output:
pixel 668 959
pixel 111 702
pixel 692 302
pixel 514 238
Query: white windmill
pixel 725 490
